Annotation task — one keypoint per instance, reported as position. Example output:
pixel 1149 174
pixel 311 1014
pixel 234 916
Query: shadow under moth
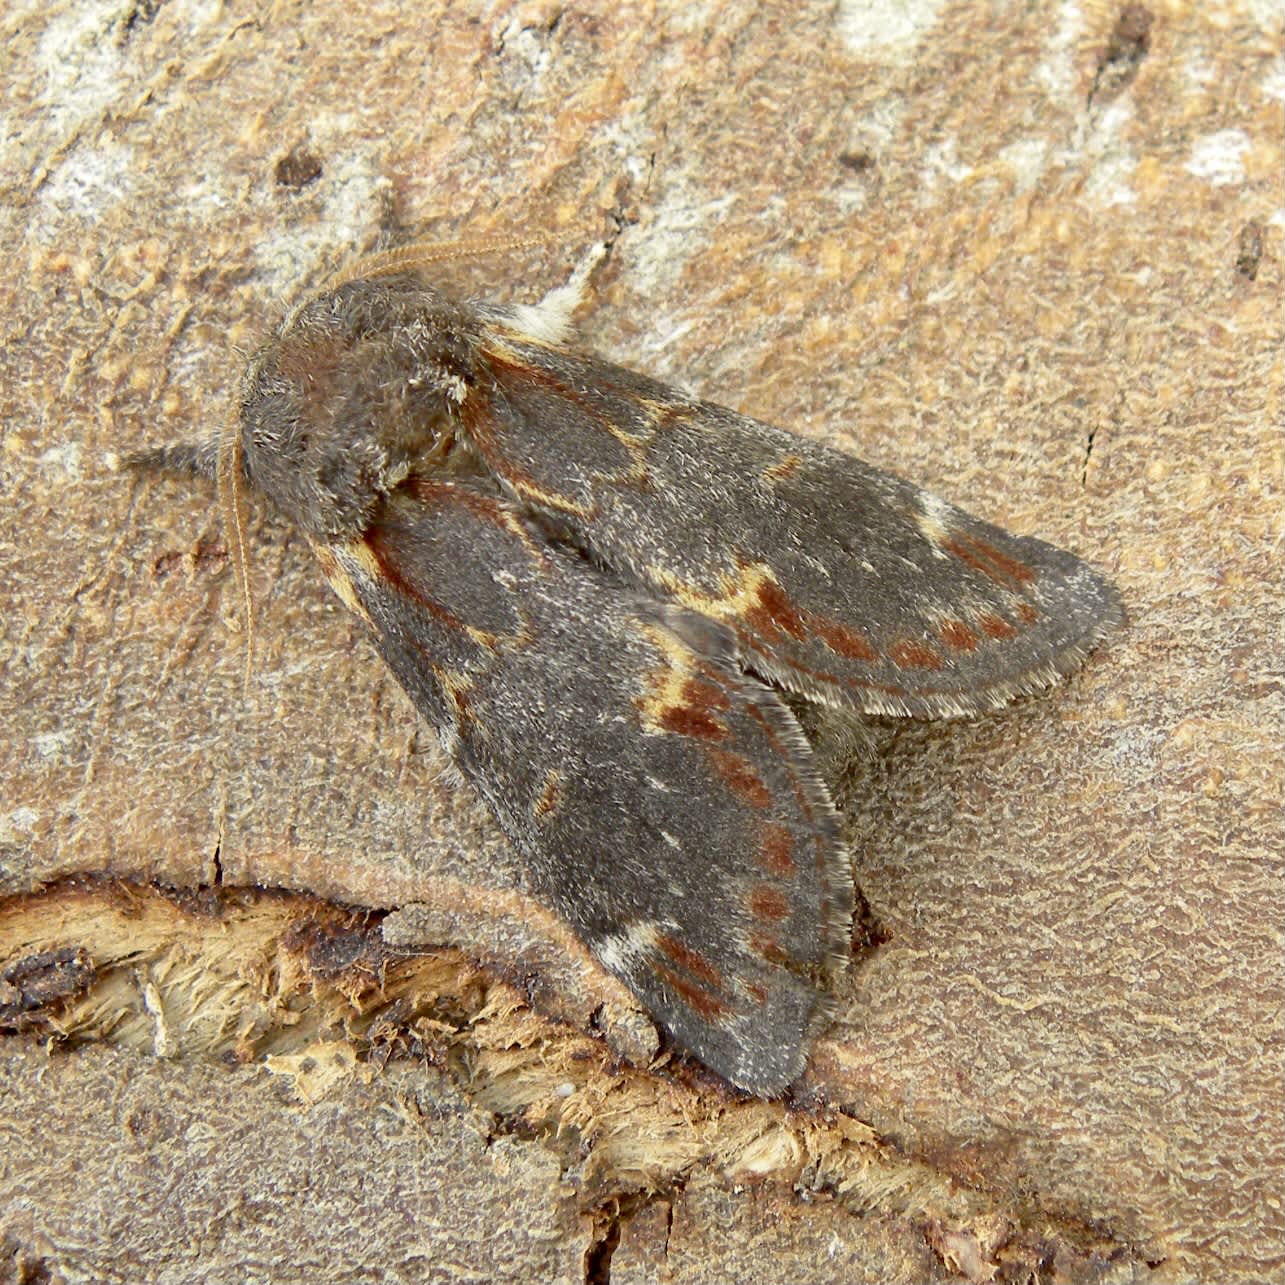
pixel 596 589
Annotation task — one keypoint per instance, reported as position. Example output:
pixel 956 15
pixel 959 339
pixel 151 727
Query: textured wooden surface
pixel 1029 256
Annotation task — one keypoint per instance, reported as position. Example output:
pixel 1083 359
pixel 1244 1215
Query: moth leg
pixel 191 459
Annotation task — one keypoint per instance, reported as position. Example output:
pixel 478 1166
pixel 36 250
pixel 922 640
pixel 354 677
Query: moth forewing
pixel 664 800
pixel 842 583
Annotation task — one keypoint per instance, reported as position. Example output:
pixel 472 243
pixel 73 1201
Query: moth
pixel 597 589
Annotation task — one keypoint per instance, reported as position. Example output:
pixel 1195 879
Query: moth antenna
pixel 229 479
pixel 407 258
pixel 419 254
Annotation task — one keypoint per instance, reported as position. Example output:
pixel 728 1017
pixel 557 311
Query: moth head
pixel 360 387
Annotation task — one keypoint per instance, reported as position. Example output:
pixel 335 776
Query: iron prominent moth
pixel 595 588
